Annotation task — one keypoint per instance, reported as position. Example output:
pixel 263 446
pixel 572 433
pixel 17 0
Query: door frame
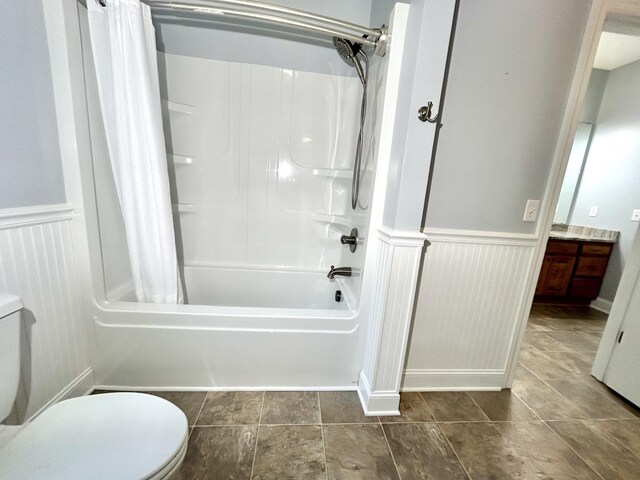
pixel 595 22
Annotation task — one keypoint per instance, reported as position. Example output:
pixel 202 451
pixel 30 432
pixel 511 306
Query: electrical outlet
pixel 635 216
pixel 531 211
pixel 593 211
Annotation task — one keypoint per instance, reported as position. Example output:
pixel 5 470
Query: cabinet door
pixel 558 276
pixel 542 279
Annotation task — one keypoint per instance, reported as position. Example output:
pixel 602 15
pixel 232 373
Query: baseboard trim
pixel 80 386
pixel 377 404
pixel 602 305
pixel 422 380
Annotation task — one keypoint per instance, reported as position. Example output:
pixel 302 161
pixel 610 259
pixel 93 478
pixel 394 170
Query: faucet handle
pixel 351 240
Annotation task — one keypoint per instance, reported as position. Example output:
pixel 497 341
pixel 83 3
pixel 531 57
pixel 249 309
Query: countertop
pixel 584 234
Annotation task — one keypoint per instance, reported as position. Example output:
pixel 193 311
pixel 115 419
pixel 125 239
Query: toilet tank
pixel 10 310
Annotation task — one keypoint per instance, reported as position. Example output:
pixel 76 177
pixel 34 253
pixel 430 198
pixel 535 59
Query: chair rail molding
pixel 34 215
pixel 398 263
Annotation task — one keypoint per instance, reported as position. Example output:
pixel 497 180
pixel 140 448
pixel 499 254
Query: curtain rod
pixel 274 14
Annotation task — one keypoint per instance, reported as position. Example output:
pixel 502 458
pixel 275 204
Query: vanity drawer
pixel 596 249
pixel 555 247
pixel 591 266
pixel 585 288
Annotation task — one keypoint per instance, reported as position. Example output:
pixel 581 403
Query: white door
pixel 622 334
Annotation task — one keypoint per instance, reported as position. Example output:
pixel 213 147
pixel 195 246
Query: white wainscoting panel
pixel 398 262
pixel 37 264
pixel 469 302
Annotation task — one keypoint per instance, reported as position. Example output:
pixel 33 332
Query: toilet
pixel 106 436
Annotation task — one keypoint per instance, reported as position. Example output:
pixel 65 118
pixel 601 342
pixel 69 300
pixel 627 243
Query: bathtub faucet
pixel 343 271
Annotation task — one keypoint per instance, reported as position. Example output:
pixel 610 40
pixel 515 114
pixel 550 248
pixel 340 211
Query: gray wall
pixel 611 177
pixel 511 71
pixel 593 98
pixel 29 150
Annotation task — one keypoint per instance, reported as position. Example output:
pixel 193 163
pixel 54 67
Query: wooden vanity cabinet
pixel 572 271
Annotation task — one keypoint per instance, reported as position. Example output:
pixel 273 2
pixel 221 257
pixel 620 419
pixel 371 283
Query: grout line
pixel 607 434
pixel 255 447
pixel 571 448
pixel 479 407
pixel 324 448
pixel 454 452
pixel 195 422
pixel 393 458
pixel 428 408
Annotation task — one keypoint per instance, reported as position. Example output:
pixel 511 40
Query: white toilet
pixel 108 436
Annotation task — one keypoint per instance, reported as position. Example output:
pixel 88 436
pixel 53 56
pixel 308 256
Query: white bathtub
pixel 263 288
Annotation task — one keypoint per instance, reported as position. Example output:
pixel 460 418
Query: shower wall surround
pixel 261 166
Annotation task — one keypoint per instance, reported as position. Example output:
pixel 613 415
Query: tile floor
pixel 557 422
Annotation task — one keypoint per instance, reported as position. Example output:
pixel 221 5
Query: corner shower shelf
pixel 179 107
pixel 181 159
pixel 184 208
pixel 332 172
pixel 330 219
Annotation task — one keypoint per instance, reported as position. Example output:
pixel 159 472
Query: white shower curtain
pixel 124 53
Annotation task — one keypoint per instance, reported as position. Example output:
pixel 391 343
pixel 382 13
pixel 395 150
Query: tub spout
pixel 342 271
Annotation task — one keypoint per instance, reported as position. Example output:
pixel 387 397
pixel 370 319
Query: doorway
pixel 595 222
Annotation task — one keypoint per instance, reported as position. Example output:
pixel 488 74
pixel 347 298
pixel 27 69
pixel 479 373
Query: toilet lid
pixel 107 436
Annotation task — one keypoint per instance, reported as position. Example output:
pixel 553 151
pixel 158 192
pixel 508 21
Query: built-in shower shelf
pixel 179 107
pixel 181 159
pixel 330 219
pixel 184 208
pixel 332 173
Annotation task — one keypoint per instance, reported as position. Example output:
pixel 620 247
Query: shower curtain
pixel 124 54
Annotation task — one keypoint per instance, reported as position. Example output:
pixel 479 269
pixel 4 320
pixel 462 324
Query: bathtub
pixel 264 288
pixel 242 329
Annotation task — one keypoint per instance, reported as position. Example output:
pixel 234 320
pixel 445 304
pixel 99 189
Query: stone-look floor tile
pixel 215 453
pixel 485 453
pixel 421 450
pixel 567 324
pixel 357 452
pixel 554 365
pixel 601 451
pixel 542 399
pixel 343 407
pixel 611 395
pixel 231 408
pixel 413 408
pixel 290 408
pixel 589 400
pixel 289 452
pixel 577 341
pixel 544 450
pixel 189 402
pixel 626 432
pixel 453 407
pixel 543 341
pixel 502 406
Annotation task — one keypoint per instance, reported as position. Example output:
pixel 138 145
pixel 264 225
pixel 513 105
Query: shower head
pixel 349 52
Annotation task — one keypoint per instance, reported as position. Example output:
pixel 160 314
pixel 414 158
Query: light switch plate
pixel 593 211
pixel 635 216
pixel 531 211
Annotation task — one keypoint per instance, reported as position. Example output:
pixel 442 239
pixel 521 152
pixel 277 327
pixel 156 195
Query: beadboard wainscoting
pixel 397 266
pixel 469 304
pixel 37 264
